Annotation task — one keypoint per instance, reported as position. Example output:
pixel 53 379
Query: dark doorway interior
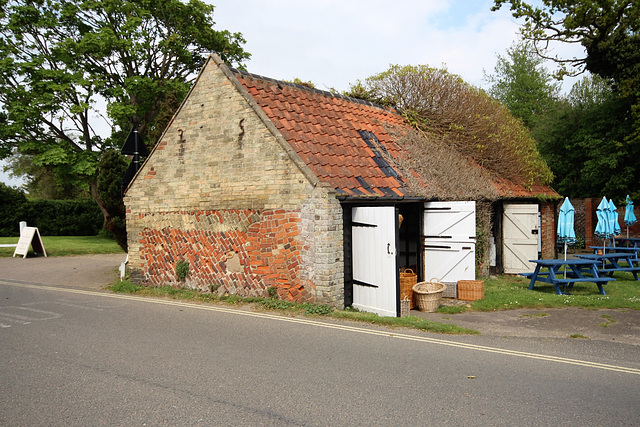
pixel 410 237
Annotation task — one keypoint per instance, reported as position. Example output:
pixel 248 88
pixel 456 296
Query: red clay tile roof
pixel 508 189
pixel 343 140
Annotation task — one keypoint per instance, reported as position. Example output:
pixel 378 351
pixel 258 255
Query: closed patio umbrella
pixel 629 215
pixel 613 220
pixel 603 227
pixel 566 233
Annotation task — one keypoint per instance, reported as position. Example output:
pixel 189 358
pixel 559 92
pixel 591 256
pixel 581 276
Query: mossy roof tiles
pixel 326 131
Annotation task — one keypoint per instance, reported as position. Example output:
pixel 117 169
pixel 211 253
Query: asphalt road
pixel 74 357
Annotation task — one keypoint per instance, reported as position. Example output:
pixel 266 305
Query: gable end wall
pixel 220 192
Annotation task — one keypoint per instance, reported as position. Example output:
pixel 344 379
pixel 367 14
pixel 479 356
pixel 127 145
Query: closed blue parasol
pixel 613 219
pixel 603 227
pixel 566 233
pixel 629 215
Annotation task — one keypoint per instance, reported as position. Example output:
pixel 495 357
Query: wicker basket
pixel 405 306
pixel 450 290
pixel 428 295
pixel 470 290
pixel 407 279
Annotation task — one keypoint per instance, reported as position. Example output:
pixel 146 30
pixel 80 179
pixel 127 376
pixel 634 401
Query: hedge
pixel 12 204
pixel 80 217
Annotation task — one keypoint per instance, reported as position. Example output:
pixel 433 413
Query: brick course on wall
pixel 238 252
pixel 221 191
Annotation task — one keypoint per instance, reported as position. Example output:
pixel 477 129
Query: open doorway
pixel 410 238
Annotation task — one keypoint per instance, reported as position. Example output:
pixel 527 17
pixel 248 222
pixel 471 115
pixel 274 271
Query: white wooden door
pixel 452 221
pixel 520 232
pixel 449 261
pixel 374 260
pixel 449 241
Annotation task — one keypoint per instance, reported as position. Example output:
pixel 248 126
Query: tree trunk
pixel 114 222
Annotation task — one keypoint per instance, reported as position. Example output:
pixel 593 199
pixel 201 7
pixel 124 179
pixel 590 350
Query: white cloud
pixel 333 43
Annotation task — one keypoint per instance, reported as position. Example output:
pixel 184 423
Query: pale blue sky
pixel 333 43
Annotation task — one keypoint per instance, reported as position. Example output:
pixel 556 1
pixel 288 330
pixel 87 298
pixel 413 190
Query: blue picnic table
pixel 610 262
pixel 575 268
pixel 599 250
pixel 630 242
pixel 620 244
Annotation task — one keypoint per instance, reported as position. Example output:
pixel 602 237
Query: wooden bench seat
pixel 585 279
pixel 609 271
pixel 599 281
pixel 540 274
pixel 613 270
pixel 569 280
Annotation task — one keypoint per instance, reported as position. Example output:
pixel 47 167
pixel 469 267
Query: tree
pixel 112 168
pixel 462 117
pixel 523 84
pixel 41 183
pixel 585 143
pixel 62 60
pixel 608 30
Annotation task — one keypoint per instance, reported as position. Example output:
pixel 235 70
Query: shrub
pixel 459 116
pixel 272 291
pixel 81 217
pixel 12 203
pixel 182 270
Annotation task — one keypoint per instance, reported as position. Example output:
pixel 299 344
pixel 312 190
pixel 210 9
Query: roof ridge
pixel 313 89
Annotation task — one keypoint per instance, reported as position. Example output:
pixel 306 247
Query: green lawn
pixel 511 292
pixel 68 245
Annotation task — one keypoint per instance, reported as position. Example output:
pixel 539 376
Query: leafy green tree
pixel 62 61
pixel 585 143
pixel 608 30
pixel 522 83
pixel 40 182
pixel 112 168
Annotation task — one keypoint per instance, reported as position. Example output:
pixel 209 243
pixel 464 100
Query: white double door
pixel 449 251
pixel 449 241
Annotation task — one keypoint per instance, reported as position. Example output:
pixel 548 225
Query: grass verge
pixel 68 246
pixel 287 307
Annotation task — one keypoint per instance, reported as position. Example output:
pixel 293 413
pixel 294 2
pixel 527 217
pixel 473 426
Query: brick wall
pixel 221 191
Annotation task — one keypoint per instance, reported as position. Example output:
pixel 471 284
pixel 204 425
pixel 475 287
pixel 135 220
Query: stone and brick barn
pixel 262 184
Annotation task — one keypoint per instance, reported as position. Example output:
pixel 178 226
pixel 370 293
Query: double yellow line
pixel 546 358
